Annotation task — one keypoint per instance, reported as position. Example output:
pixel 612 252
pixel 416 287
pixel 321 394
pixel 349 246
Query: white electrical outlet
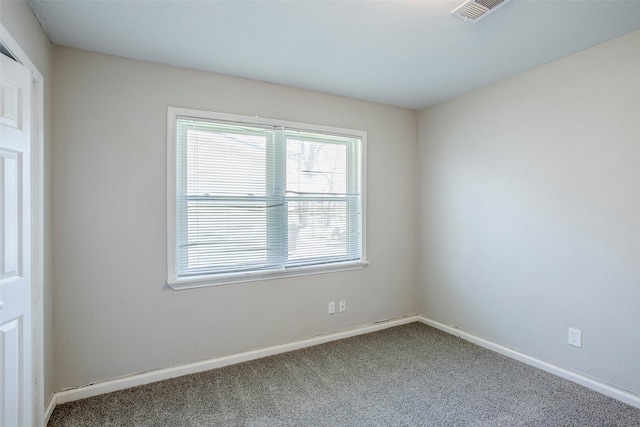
pixel 332 307
pixel 343 306
pixel 575 337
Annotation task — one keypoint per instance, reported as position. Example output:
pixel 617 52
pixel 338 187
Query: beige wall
pixel 21 23
pixel 113 315
pixel 530 211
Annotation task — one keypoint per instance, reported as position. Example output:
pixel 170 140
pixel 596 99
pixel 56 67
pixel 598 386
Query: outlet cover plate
pixel 575 337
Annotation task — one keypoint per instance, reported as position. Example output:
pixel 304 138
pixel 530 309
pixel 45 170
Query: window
pixel 252 198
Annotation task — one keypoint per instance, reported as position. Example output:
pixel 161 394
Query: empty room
pixel 320 213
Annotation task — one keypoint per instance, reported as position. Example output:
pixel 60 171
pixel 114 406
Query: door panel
pixel 16 356
pixel 10 254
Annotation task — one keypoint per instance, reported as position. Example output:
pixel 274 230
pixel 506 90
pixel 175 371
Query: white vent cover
pixel 475 10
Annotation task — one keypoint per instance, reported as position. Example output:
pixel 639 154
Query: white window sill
pixel 228 279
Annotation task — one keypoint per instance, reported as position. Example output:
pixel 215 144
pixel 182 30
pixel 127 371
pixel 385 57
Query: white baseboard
pixel 143 378
pixel 49 409
pixel 592 383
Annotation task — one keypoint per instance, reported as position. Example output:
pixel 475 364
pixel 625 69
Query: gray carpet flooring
pixel 411 375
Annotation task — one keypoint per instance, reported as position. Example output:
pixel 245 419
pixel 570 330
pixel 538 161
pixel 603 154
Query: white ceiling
pixel 406 53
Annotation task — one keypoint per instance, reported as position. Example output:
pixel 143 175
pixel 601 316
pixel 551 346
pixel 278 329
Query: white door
pixel 16 383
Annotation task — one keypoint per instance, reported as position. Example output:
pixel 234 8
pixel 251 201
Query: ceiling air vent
pixel 475 10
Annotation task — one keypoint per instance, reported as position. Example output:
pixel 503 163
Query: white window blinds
pixel 253 197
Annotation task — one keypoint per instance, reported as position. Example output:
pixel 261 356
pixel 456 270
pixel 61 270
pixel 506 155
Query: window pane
pixel 320 230
pixel 224 205
pixel 316 167
pixel 322 193
pixel 222 160
pixel 226 236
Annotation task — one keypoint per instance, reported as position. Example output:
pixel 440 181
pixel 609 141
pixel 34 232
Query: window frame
pixel 188 282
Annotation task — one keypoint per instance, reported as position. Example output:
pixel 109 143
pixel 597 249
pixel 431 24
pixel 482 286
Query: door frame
pixel 37 222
